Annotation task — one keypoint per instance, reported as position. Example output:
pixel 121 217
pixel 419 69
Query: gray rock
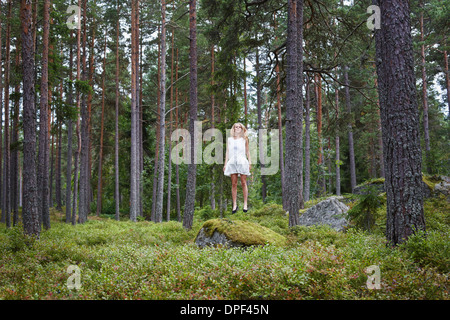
pixel 330 212
pixel 217 238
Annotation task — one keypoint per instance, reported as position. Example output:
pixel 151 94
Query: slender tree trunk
pixel 58 184
pixel 192 166
pixel 77 128
pixel 400 122
pixel 69 138
pixel 447 80
pixel 116 135
pixel 426 131
pixel 177 176
pixel 169 173
pixel 137 115
pixel 2 217
pixel 258 108
pixel 306 191
pixel 213 186
pixel 100 160
pixel 158 120
pixel 15 152
pixel 280 137
pixel 318 92
pixel 337 141
pixel 30 211
pixel 350 131
pixel 43 166
pixel 294 111
pixel 83 207
pixel 134 183
pixel 6 214
pixel 162 112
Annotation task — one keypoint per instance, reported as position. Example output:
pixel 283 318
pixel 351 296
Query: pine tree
pixel 400 122
pixel 192 166
pixel 30 211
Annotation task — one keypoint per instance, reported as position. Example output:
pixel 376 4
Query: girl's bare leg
pixel 244 189
pixel 234 183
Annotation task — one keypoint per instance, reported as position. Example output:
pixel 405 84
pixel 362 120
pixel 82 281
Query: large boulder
pixel 330 212
pixel 236 233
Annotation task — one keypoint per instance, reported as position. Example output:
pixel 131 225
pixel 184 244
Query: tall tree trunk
pixel 177 175
pixel 337 142
pixel 426 131
pixel 447 80
pixel 280 136
pixel 83 206
pixel 213 186
pixel 2 217
pixel 43 166
pixel 30 211
pixel 259 112
pixel 138 121
pixel 100 158
pixel 15 152
pixel 116 125
pixel 69 138
pixel 320 162
pixel 158 117
pixel 306 191
pixel 162 113
pixel 400 122
pixel 294 112
pixel 77 127
pixel 6 214
pixel 58 184
pixel 192 166
pixel 134 179
pixel 350 131
pixel 169 173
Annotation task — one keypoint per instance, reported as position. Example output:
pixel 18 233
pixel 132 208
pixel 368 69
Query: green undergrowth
pixel 146 260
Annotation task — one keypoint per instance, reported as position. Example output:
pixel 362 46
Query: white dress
pixel 237 159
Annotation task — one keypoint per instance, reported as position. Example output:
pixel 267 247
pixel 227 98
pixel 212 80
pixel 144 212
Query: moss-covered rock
pixel 432 186
pixel 236 233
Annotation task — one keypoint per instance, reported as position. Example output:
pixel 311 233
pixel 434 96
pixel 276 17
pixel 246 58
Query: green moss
pixel 245 232
pixel 430 181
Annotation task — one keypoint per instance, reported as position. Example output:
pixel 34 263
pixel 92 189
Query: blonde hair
pixel 244 133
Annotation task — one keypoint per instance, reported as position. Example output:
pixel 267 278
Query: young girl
pixel 237 161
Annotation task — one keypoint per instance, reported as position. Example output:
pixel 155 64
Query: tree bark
pixel 337 142
pixel 426 131
pixel 69 139
pixel 100 158
pixel 320 160
pixel 294 111
pixel 83 206
pixel 306 191
pixel 43 166
pixel 15 195
pixel 116 125
pixel 30 211
pixel 447 80
pixel 192 166
pixel 6 194
pixel 350 131
pixel 134 175
pixel 162 113
pixel 400 122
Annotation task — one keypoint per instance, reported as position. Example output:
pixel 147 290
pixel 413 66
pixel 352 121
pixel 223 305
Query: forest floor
pixel 146 260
